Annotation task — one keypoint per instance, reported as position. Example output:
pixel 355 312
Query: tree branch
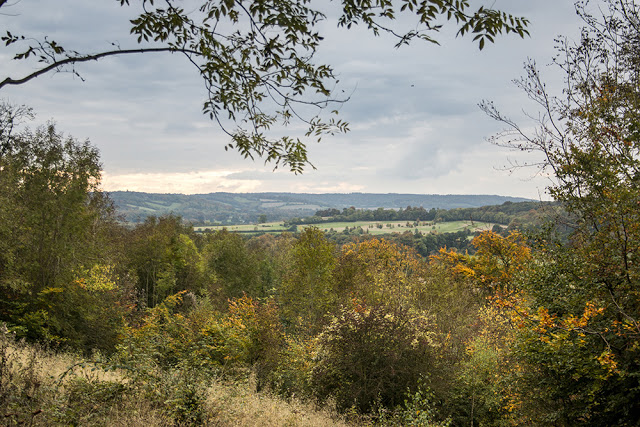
pixel 75 60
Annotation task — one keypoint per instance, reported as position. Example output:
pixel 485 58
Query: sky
pixel 415 126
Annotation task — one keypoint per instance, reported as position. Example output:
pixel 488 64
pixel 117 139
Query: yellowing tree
pixel 496 263
pixel 380 272
pixel 580 340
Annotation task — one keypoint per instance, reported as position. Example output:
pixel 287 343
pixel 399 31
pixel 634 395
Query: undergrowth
pixel 40 387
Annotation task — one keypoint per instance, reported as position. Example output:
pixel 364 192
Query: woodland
pixel 157 325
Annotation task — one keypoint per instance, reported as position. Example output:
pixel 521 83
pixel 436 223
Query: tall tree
pixel 307 293
pixel 51 202
pixel 583 319
pixel 164 258
pixel 256 58
pixel 55 228
pixel 236 269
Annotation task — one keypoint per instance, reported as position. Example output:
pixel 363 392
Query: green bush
pixel 184 397
pixel 290 376
pixel 418 410
pixel 370 357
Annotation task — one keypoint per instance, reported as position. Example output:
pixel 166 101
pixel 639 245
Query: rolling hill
pixel 239 208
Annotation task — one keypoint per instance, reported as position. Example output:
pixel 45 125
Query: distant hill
pixel 238 208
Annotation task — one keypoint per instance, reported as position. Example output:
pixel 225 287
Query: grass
pixel 42 388
pixel 239 405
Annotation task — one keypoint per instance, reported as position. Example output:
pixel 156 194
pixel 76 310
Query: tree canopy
pixel 580 312
pixel 256 58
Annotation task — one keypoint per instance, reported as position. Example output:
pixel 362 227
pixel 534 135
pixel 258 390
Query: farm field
pixel 370 227
pixel 373 227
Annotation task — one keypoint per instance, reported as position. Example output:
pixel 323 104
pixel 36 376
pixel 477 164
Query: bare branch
pixel 87 58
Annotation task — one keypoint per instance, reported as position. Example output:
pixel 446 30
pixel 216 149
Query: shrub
pixel 290 377
pixel 259 326
pixel 372 356
pixel 247 336
pixel 184 397
pixel 418 410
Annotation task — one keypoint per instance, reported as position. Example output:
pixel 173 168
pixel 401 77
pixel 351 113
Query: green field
pixel 371 227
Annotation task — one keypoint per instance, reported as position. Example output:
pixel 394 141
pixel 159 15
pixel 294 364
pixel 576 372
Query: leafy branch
pixel 256 58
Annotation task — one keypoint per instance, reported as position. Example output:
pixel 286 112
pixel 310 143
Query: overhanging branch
pixel 87 58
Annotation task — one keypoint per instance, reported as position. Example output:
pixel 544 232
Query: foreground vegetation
pixel 43 387
pixel 536 327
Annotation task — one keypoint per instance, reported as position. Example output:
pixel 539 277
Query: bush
pixel 248 336
pixel 259 326
pixel 184 397
pixel 290 377
pixel 418 410
pixel 370 357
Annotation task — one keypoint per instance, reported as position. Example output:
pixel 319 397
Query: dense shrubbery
pixel 371 357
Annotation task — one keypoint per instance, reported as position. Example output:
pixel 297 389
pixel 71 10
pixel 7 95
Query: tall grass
pixel 40 387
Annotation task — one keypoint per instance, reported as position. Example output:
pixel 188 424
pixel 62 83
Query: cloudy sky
pixel 415 125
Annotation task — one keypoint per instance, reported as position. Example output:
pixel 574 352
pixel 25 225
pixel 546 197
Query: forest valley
pixel 535 327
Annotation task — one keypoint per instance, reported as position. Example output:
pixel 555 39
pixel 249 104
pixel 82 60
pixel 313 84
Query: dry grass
pixel 35 387
pixel 235 404
pixel 239 405
pixel 133 414
pixel 57 366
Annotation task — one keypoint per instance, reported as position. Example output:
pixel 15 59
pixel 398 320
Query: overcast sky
pixel 415 124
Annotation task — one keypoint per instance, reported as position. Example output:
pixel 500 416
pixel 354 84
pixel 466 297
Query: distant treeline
pixel 522 212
